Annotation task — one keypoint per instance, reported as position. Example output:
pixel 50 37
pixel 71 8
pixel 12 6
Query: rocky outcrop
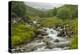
pixel 43 41
pixel 42 32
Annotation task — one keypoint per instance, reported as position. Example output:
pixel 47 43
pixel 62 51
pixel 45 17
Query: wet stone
pixel 56 40
pixel 40 36
pixel 46 39
pixel 49 45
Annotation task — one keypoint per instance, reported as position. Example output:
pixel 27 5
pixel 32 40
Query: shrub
pixel 21 33
pixel 63 13
pixel 74 44
pixel 50 22
pixel 73 25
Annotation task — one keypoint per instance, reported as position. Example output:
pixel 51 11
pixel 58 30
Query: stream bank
pixel 46 39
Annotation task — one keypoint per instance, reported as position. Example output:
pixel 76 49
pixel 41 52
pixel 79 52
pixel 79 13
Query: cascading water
pixel 60 44
pixel 47 42
pixel 52 33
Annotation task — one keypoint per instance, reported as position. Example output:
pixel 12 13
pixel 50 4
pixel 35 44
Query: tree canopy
pixel 18 9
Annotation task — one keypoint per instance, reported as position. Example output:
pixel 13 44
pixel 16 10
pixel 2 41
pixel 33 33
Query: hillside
pixel 32 11
pixel 37 30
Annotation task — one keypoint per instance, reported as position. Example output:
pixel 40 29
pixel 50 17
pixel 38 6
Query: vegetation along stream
pixel 48 27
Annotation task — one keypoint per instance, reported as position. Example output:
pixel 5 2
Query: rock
pixel 38 25
pixel 52 32
pixel 53 27
pixel 29 48
pixel 58 28
pixel 44 29
pixel 16 50
pixel 62 34
pixel 65 48
pixel 56 40
pixel 59 35
pixel 40 36
pixel 49 45
pixel 64 44
pixel 34 49
pixel 46 39
pixel 13 50
pixel 42 32
pixel 22 49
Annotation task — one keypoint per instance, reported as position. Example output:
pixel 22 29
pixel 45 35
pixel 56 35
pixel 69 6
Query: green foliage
pixel 73 25
pixel 18 8
pixel 32 12
pixel 50 22
pixel 63 13
pixel 74 44
pixel 67 12
pixel 54 12
pixel 21 33
pixel 73 10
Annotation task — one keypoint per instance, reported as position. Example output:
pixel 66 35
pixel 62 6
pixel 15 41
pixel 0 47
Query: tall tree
pixel 54 11
pixel 63 13
pixel 18 8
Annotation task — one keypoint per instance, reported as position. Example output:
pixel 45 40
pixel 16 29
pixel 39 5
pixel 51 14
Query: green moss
pixel 74 44
pixel 21 33
pixel 50 22
pixel 73 25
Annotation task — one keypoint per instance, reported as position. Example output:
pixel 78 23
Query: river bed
pixel 51 42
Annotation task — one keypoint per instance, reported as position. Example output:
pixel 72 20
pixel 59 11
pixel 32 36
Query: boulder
pixel 63 44
pixel 48 42
pixel 49 45
pixel 52 32
pixel 46 39
pixel 40 36
pixel 56 40
pixel 62 34
pixel 42 32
